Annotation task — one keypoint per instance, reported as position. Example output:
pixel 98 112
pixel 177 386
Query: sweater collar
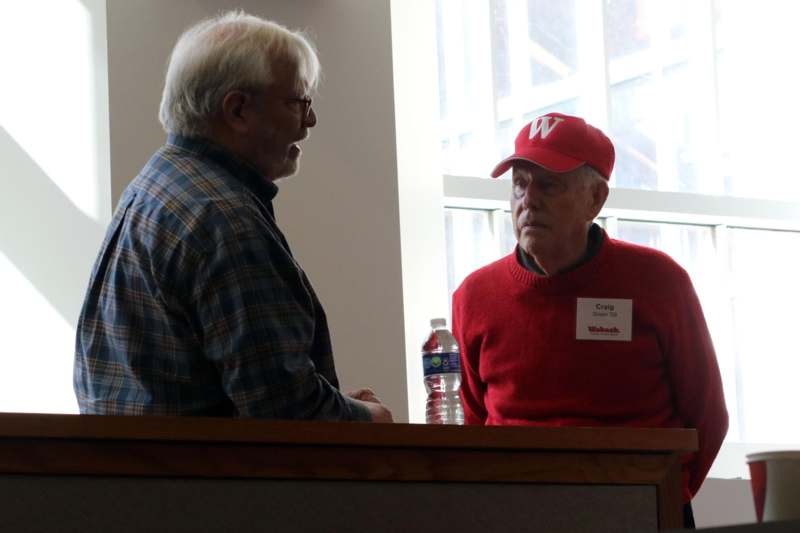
pixel 584 273
pixel 594 240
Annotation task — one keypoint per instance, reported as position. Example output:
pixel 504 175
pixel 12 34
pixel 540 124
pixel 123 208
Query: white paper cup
pixel 775 480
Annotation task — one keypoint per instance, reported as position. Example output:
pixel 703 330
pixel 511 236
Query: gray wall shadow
pixel 49 240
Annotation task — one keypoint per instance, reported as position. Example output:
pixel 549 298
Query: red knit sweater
pixel 522 364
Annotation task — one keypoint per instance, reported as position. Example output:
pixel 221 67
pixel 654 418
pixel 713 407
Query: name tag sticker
pixel 604 319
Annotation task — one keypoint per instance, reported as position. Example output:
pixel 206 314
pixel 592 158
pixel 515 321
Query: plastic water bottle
pixel 441 367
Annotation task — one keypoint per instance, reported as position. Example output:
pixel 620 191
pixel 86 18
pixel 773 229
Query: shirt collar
pixel 594 241
pixel 241 170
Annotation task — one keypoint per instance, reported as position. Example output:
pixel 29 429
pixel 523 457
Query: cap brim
pixel 547 159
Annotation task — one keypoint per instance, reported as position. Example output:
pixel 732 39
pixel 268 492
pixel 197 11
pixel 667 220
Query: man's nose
pixel 532 195
pixel 311 119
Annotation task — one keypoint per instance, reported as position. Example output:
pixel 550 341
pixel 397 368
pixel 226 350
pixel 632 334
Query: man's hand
pixel 378 411
pixel 367 398
pixel 365 395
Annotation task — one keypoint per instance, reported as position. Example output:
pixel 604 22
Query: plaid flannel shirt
pixel 196 305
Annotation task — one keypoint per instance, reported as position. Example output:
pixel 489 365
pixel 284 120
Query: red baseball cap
pixel 561 143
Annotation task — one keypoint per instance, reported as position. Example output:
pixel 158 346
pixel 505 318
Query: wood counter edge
pixel 265 432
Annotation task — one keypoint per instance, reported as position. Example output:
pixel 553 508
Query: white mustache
pixel 530 222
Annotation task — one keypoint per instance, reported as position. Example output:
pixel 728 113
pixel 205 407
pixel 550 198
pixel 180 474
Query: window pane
pixel 633 25
pixel 632 127
pixel 501 63
pixel 508 241
pixel 758 103
pixel 553 51
pixel 699 98
pixel 627 28
pixel 690 246
pixel 500 51
pixel 661 95
pixel 464 51
pixel 470 244
pixel 693 248
pixel 765 294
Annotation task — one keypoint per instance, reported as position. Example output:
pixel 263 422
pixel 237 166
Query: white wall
pixel 54 191
pixel 724 502
pixel 340 213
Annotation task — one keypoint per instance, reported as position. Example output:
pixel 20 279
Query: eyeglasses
pixel 305 106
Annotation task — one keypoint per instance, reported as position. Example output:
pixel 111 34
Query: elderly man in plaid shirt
pixel 196 305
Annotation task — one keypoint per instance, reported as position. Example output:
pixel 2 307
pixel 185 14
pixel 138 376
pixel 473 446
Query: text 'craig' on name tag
pixel 604 319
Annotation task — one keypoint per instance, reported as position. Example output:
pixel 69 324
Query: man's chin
pixel 287 170
pixel 532 245
pixel 534 235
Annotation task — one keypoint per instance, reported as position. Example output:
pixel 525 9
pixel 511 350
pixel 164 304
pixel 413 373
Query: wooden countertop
pixel 219 430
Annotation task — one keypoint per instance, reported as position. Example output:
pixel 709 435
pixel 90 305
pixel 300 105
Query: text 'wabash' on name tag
pixel 604 319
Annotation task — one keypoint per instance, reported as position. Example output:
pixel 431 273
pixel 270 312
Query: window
pixel 696 99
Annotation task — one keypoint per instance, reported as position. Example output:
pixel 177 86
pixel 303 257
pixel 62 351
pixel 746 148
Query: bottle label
pixel 440 363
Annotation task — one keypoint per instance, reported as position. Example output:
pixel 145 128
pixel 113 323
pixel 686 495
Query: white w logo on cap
pixel 542 125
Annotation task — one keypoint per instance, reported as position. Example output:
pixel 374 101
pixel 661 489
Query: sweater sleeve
pixel 472 388
pixel 695 380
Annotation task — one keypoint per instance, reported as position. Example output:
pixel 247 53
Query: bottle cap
pixel 438 322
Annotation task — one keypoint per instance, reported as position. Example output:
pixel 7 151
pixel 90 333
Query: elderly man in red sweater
pixel 575 328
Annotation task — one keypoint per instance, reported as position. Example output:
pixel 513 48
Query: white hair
pixel 590 176
pixel 233 51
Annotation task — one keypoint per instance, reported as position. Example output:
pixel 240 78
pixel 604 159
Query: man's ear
pixel 235 110
pixel 599 195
